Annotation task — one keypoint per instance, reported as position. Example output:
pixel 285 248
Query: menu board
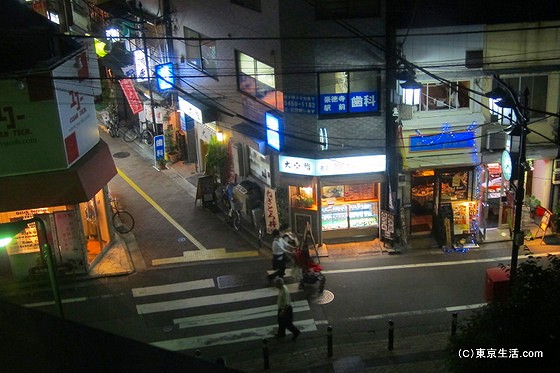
pixel 387 225
pixel 25 242
pixel 464 213
pixel 454 186
pixel 358 192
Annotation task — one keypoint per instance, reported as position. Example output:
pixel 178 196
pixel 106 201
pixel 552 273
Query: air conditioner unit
pixel 496 140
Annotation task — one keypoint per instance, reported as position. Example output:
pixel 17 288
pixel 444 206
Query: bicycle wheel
pixel 123 221
pixel 236 220
pixel 130 135
pixel 148 137
pixel 113 130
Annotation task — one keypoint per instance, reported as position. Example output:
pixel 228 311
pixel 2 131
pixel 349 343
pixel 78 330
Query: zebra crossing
pixel 217 318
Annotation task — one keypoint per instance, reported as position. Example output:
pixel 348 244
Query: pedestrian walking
pixel 280 254
pixel 285 311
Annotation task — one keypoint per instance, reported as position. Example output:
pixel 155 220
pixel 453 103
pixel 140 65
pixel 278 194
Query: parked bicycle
pixel 122 220
pixel 146 135
pixel 231 206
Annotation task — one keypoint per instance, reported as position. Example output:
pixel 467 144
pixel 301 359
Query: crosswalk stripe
pixel 210 300
pixel 173 288
pixel 240 315
pixel 235 336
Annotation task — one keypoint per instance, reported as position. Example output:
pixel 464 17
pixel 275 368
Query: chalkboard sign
pixel 387 225
pixel 205 190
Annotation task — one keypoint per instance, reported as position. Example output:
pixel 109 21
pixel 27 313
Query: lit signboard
pixel 165 76
pixel 331 166
pixel 141 66
pixel 273 128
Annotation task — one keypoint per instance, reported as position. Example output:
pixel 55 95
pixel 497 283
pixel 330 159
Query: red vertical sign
pixel 131 95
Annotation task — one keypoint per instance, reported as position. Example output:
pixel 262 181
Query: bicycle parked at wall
pixel 122 220
pixel 146 135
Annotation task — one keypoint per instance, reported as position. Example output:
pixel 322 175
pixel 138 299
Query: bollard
pixel 198 354
pixel 329 341
pixel 454 323
pixel 391 335
pixel 265 354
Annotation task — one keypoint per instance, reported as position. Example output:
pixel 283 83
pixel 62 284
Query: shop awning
pixel 77 184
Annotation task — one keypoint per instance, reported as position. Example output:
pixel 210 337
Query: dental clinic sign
pixel 353 102
pixel 331 166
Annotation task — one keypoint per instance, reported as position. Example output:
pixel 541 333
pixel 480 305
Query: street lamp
pixel 507 99
pixel 10 230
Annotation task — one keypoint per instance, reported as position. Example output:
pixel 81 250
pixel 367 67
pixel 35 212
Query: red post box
pixel 497 284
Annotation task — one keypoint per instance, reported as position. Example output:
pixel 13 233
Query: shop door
pixel 492 193
pixel 422 202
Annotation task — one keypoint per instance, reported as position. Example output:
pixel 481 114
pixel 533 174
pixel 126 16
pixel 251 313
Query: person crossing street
pixel 285 311
pixel 280 255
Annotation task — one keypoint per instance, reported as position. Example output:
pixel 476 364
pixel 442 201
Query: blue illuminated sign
pixel 353 102
pixel 165 76
pixel 159 148
pixel 273 128
pixel 442 141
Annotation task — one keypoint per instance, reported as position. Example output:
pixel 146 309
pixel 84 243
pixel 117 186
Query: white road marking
pixel 211 300
pixel 235 336
pixel 416 312
pixel 50 303
pixel 239 315
pixel 173 288
pixel 431 264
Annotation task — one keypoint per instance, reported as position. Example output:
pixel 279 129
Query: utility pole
pixel 145 45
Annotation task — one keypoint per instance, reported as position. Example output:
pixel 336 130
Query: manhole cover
pixel 121 155
pixel 167 328
pixel 324 298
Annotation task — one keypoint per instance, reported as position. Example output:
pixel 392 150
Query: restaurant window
pixel 257 79
pixel 200 52
pixel 443 96
pixel 349 92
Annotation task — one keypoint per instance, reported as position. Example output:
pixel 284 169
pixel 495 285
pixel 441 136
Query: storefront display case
pixel 349 207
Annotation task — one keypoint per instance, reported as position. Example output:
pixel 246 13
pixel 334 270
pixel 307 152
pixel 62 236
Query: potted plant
pixel 173 154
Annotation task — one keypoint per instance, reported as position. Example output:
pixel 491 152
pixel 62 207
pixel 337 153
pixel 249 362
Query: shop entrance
pixel 422 202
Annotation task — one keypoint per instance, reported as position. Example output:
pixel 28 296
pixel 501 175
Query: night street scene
pixel 279 186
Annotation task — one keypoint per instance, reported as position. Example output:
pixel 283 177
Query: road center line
pixel 160 210
pixel 433 264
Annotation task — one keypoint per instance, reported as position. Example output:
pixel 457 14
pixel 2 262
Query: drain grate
pixel 121 155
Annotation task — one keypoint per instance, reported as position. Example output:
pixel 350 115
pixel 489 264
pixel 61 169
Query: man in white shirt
pixel 279 252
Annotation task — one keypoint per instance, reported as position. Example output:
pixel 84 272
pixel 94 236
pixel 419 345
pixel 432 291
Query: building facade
pixel 55 166
pixel 452 136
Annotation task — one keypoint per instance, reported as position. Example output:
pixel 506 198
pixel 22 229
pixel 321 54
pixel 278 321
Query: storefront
pixel 74 206
pixel 198 133
pixel 441 191
pixel 339 198
pixel 444 202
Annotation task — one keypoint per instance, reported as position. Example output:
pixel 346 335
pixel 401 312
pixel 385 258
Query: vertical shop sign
pixel 159 149
pixel 131 95
pixel 270 210
pixel 387 225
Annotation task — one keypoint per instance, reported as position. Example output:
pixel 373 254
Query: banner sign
pixel 270 210
pixel 131 95
pixel 442 141
pixel 354 102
